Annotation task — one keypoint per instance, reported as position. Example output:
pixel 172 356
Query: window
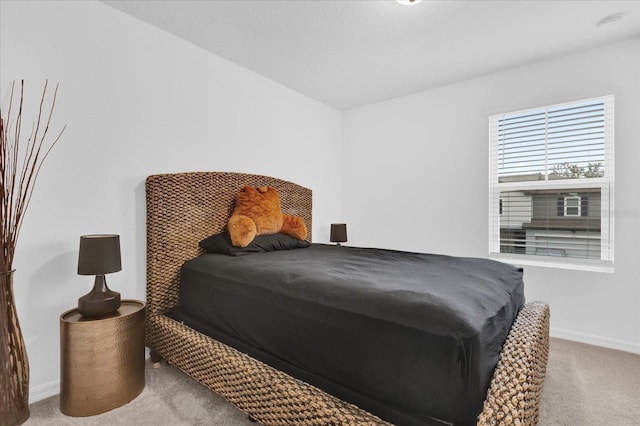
pixel 551 185
pixel 571 206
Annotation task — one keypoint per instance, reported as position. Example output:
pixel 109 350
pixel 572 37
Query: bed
pixel 183 209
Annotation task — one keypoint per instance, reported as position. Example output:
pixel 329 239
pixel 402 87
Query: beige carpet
pixel 585 386
pixel 170 397
pixel 590 386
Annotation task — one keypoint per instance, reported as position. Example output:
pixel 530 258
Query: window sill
pixel 554 262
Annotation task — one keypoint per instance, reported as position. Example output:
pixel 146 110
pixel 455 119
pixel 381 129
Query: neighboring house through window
pixel 551 185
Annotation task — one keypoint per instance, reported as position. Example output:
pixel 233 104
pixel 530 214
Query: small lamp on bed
pixel 99 255
pixel 338 233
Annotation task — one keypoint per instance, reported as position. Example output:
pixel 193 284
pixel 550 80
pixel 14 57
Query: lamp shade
pixel 338 233
pixel 99 254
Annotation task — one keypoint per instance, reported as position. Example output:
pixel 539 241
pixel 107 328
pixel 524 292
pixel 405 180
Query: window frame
pixel 605 183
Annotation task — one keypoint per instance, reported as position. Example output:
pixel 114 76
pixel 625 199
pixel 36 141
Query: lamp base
pixel 100 300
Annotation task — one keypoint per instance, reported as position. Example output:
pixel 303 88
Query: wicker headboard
pixel 184 208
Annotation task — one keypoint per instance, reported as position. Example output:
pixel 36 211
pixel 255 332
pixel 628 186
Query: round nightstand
pixel 101 360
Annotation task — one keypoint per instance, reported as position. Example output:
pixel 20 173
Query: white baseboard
pixel 591 339
pixel 46 390
pixel 38 393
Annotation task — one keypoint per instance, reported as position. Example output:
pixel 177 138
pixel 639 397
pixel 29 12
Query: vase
pixel 14 366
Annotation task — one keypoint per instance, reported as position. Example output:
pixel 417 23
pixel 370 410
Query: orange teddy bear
pixel 258 212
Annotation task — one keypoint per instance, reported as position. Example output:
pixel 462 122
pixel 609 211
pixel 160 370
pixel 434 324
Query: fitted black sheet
pixel 413 338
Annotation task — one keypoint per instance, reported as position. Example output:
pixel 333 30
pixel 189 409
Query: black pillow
pixel 221 243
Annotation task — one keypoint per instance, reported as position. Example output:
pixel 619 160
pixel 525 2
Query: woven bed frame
pixel 184 208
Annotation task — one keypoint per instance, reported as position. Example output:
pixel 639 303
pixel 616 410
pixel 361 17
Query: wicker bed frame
pixel 184 208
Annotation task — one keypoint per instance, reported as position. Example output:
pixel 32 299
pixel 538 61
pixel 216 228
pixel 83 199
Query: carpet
pixel 585 386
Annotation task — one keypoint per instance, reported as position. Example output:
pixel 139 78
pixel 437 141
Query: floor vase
pixel 14 366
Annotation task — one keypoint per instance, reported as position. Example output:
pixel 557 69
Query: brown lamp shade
pixel 338 233
pixel 99 254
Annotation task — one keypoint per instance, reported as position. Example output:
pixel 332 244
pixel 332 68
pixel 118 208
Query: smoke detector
pixel 610 22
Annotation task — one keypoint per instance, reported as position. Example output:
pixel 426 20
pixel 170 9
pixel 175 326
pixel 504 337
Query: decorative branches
pixel 20 164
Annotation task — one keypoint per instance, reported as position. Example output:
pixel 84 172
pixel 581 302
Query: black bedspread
pixel 411 337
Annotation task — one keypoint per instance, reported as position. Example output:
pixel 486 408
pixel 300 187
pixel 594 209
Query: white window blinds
pixel 551 184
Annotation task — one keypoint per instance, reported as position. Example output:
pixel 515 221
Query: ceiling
pixel 357 52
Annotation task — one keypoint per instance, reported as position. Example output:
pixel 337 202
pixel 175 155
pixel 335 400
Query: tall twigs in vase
pixel 20 164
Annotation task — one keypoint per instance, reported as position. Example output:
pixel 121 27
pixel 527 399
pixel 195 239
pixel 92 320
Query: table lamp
pixel 338 233
pixel 99 255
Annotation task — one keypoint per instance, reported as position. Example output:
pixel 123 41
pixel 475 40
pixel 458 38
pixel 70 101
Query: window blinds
pixel 551 182
pixel 564 142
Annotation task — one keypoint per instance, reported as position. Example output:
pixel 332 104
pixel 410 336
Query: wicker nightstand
pixel 101 360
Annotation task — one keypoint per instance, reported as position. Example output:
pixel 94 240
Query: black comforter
pixel 413 338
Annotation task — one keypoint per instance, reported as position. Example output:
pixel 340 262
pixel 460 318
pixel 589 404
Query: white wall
pixel 138 101
pixel 415 177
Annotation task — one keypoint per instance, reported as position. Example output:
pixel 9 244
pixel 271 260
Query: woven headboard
pixel 184 208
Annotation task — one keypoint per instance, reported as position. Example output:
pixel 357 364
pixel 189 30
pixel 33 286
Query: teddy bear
pixel 257 212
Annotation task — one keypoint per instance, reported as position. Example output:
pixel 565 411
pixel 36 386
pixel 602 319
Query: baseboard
pixel 591 339
pixel 46 390
pixel 41 392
